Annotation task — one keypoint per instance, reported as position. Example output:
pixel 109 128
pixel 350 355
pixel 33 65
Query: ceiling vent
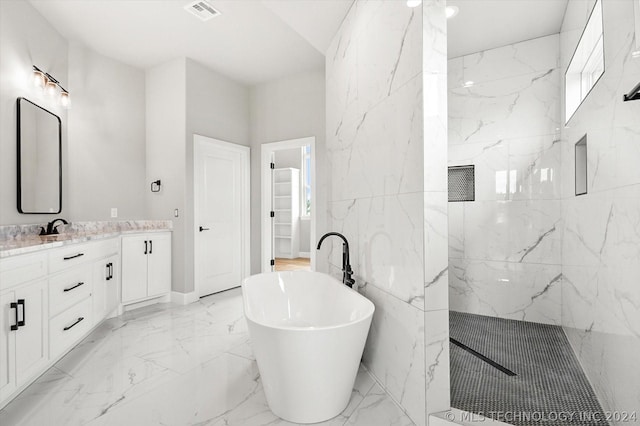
pixel 202 9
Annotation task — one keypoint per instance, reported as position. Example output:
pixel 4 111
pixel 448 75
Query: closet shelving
pixel 286 206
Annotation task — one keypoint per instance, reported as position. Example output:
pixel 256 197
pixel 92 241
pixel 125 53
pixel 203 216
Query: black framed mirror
pixel 39 159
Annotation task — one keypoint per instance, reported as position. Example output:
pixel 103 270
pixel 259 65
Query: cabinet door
pixel 112 287
pixel 159 269
pixel 134 267
pixel 32 342
pixel 101 272
pixel 7 345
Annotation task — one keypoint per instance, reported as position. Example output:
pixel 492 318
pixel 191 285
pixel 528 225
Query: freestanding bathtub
pixel 308 332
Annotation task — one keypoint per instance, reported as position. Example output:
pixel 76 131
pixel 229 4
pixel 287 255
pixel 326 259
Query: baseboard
pixel 146 302
pixel 183 298
pixel 305 254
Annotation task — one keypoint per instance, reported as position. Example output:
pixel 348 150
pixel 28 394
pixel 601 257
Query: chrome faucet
pixel 347 272
pixel 52 228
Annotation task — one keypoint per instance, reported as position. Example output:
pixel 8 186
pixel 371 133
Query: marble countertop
pixel 22 239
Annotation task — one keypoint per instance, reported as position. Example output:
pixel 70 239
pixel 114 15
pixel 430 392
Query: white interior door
pixel 221 190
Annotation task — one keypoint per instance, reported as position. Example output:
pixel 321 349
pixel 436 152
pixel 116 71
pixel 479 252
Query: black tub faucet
pixel 52 228
pixel 346 266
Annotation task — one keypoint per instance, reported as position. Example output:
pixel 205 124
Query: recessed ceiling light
pixel 414 3
pixel 635 54
pixel 451 11
pixel 468 83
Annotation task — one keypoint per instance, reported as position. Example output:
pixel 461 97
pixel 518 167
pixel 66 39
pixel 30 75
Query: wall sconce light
pixel 50 85
pixel 155 186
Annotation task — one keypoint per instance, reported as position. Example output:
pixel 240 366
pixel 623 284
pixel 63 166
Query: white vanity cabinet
pixel 77 292
pixel 146 266
pixel 24 335
pixel 106 287
pixel 52 298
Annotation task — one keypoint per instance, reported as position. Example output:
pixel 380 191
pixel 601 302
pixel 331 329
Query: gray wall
pixel 217 107
pixel 26 39
pixel 289 108
pixel 103 131
pixel 106 137
pixel 199 101
pixel 165 155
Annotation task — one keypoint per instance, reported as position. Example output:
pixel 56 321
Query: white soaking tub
pixel 308 332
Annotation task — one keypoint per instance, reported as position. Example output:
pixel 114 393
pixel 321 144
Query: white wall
pixel 601 244
pixel 106 142
pixel 387 153
pixel 289 108
pixel 504 253
pixel 27 39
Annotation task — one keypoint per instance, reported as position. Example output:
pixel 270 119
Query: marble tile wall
pixel 601 243
pixel 505 247
pixel 387 150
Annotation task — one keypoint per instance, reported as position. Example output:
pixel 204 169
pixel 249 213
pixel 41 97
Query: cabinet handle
pixel 202 228
pixel 146 246
pixel 24 319
pixel 75 286
pixel 69 327
pixel 73 257
pixel 108 272
pixel 150 246
pixel 14 305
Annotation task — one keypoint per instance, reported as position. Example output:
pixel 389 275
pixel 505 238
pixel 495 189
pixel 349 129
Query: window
pixel 587 64
pixel 305 187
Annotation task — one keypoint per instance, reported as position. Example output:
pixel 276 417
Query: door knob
pixel 203 229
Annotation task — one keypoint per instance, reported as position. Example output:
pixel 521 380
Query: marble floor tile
pixel 173 365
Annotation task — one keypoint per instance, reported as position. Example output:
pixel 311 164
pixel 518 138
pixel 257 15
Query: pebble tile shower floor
pixel 549 384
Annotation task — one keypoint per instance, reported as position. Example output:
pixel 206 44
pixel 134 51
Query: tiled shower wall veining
pixel 386 148
pixel 504 247
pixel 601 243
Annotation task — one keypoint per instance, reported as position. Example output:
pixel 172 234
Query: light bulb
pixel 65 100
pixel 414 3
pixel 39 79
pixel 50 88
pixel 451 11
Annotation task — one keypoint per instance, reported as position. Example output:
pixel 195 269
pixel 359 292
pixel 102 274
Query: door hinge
pixel 273 165
pixel 272 214
pixel 273 262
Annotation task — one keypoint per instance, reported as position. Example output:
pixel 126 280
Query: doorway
pixel 221 214
pixel 288 205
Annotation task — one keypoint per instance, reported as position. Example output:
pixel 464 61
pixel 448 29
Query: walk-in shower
pixel 544 256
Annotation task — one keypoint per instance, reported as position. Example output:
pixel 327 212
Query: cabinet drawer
pixel 68 288
pixel 106 248
pixel 20 269
pixel 66 257
pixel 69 327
